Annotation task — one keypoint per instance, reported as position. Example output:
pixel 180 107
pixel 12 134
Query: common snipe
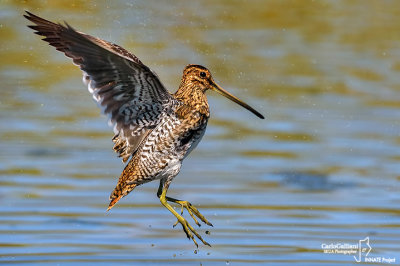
pixel 154 130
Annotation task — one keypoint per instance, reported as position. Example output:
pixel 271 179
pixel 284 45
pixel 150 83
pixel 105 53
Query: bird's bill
pixel 223 92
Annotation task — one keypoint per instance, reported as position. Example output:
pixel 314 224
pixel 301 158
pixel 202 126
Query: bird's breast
pixel 195 137
pixel 170 142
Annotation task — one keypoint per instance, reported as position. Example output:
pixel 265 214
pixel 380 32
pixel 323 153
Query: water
pixel 322 168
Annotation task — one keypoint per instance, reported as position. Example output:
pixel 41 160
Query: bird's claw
pixel 187 228
pixel 189 231
pixel 192 212
pixel 175 224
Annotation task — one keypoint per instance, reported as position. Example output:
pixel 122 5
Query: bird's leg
pixel 187 205
pixel 187 228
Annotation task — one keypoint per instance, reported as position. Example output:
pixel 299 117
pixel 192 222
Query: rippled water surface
pixel 322 168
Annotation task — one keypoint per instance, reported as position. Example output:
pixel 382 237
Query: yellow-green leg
pixel 191 210
pixel 187 228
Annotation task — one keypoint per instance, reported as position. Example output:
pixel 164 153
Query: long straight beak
pixel 223 92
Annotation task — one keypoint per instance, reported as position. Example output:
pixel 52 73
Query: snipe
pixel 154 130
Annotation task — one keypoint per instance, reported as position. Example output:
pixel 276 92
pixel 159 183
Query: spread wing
pixel 126 89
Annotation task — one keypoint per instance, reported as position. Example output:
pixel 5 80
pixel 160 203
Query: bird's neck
pixel 194 98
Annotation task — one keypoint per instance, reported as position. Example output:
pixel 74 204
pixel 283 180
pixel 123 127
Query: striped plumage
pixel 161 153
pixel 156 130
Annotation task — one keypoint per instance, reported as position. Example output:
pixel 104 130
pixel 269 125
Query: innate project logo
pixel 360 251
pixel 363 250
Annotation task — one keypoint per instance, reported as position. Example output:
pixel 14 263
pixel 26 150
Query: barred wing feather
pixel 126 89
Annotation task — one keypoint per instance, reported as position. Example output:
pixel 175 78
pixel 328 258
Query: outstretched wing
pixel 126 89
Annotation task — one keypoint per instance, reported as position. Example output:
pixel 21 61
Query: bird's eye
pixel 203 74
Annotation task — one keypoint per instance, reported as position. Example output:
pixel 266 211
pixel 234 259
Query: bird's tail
pixel 119 192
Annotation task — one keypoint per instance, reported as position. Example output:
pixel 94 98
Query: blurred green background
pixel 322 168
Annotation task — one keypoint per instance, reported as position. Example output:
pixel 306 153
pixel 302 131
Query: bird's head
pixel 197 76
pixel 200 79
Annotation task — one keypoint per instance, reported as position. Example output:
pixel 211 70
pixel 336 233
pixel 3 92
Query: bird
pixel 155 130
